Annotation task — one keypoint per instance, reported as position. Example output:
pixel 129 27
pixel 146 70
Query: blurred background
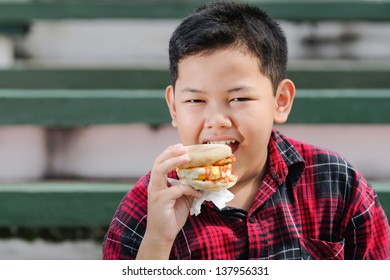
pixel 67 155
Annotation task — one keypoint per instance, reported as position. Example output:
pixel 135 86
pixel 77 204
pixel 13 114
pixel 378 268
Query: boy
pixel 292 200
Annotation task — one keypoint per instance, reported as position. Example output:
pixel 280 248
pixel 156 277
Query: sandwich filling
pixel 210 177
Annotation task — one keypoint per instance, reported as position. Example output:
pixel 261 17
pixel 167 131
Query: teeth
pixel 227 142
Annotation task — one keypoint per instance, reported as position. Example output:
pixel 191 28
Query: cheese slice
pixel 209 172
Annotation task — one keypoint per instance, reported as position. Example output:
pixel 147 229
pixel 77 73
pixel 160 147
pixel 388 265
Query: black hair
pixel 227 24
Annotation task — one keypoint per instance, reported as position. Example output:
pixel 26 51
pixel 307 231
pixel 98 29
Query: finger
pixel 170 164
pixel 180 190
pixel 172 152
pixel 170 159
pixel 169 196
pixel 172 197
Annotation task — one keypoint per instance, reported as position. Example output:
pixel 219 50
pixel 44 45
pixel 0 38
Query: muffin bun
pixel 209 168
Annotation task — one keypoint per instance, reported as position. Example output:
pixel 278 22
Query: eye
pixel 239 99
pixel 194 101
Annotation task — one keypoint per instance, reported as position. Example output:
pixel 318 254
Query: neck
pixel 244 193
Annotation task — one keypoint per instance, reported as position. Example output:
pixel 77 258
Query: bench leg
pixel 6 51
pixel 23 153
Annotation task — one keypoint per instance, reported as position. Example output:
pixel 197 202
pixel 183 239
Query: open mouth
pixel 231 143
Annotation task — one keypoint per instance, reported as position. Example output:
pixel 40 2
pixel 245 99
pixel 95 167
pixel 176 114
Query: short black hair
pixel 223 24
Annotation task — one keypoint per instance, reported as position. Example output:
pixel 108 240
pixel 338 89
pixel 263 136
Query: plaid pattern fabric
pixel 311 205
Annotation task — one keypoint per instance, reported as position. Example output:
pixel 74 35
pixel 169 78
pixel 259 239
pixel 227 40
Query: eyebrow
pixel 238 88
pixel 191 90
pixel 232 90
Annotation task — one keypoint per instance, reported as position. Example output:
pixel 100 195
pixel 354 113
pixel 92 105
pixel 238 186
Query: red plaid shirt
pixel 311 205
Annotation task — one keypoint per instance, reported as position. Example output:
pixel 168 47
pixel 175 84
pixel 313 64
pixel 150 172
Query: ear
pixel 170 99
pixel 284 100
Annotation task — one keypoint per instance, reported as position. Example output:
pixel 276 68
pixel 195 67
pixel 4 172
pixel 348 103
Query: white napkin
pixel 219 198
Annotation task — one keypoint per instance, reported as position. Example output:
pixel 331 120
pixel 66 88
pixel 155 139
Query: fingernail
pixel 182 147
pixel 185 157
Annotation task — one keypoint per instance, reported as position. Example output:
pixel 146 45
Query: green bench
pixel 77 97
pixel 17 15
pixel 12 11
pixel 72 107
pixel 305 74
pixel 59 204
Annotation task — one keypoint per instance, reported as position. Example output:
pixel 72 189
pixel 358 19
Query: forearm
pixel 152 248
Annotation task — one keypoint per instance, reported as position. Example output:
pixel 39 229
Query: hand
pixel 168 207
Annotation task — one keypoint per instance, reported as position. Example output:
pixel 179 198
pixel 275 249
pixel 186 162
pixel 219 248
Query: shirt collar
pixel 283 159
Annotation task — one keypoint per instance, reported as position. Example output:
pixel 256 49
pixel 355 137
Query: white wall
pixel 143 42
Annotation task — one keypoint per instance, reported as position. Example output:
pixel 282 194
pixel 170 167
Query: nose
pixel 217 117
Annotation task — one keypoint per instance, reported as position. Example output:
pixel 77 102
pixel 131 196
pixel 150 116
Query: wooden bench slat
pixel 85 107
pixel 59 204
pixel 342 74
pixel 298 10
pixel 312 74
pixel 87 78
pixel 85 204
pixel 82 107
pixel 341 106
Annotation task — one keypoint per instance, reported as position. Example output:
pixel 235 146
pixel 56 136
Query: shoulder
pixel 136 198
pixel 329 171
pixel 313 160
pixel 323 159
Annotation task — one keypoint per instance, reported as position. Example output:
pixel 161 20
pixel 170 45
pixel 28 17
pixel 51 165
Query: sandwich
pixel 209 168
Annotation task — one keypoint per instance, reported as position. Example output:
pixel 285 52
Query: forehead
pixel 220 70
pixel 222 59
pixel 225 50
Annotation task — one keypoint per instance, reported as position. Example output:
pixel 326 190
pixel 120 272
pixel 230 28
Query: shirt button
pixel 252 219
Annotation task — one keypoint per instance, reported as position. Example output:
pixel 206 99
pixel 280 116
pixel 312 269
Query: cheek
pixel 256 118
pixel 188 119
pixel 255 129
pixel 188 127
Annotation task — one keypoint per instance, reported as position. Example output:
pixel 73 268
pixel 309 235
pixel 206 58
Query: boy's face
pixel 223 97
